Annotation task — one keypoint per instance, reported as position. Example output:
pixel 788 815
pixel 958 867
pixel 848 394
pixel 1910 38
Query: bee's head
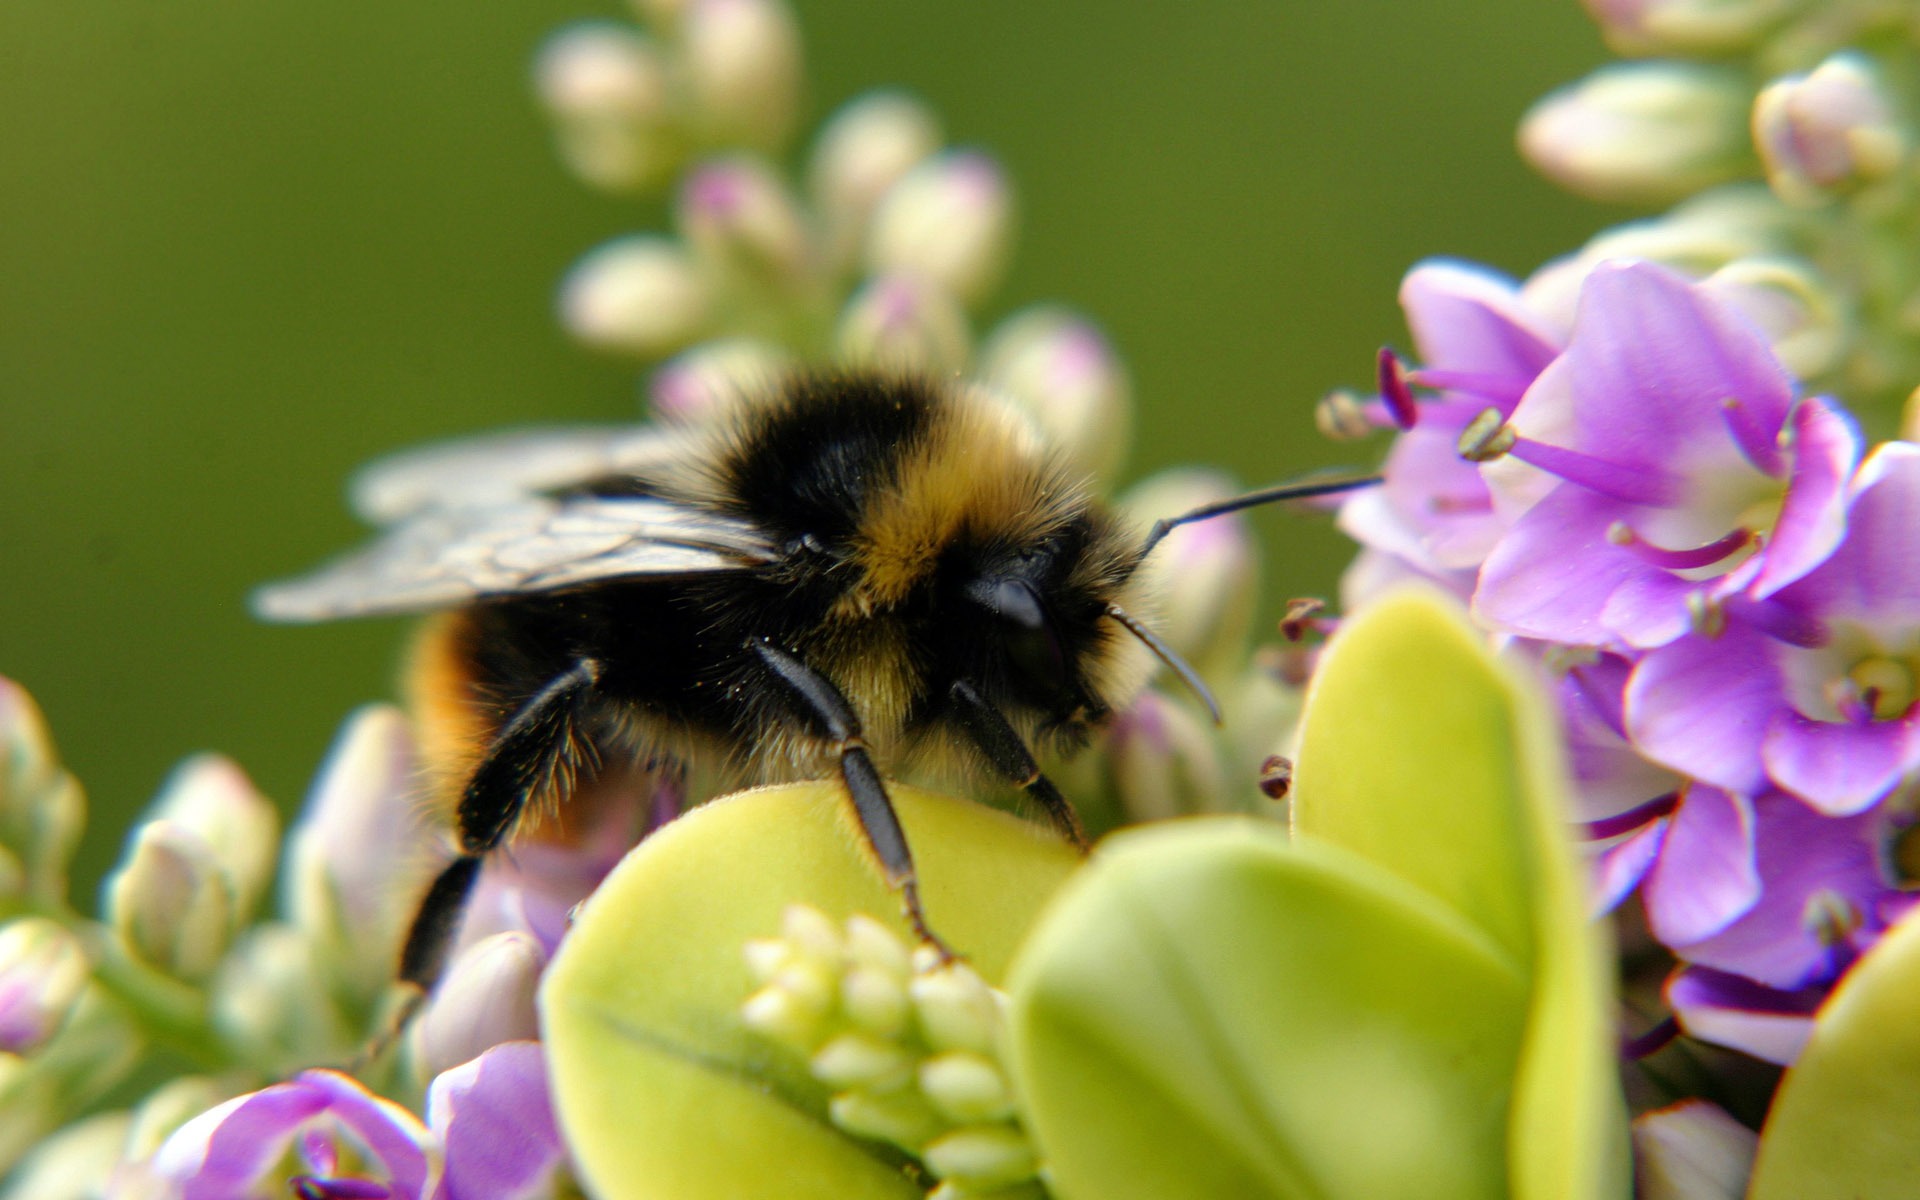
pixel 1039 627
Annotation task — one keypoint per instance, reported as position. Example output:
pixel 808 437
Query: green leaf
pixel 1846 1120
pixel 1422 752
pixel 660 1090
pixel 1208 1011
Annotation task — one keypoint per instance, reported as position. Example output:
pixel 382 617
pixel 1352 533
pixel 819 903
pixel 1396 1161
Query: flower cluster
pixel 1627 467
pixel 1788 130
pixel 177 966
pixel 910 1046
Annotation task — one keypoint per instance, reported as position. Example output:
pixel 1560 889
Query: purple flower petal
pixel 1730 1011
pixel 1550 576
pixel 389 1131
pixel 1433 508
pixel 1838 767
pixel 1813 518
pixel 1811 864
pixel 1655 362
pixel 1466 317
pixel 224 1150
pixel 1702 706
pixel 1874 574
pixel 1649 609
pixel 496 1117
pixel 1620 867
pixel 1705 877
pixel 232 1149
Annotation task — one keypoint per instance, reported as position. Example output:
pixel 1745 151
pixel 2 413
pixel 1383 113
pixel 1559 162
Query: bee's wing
pixel 495 468
pixel 444 557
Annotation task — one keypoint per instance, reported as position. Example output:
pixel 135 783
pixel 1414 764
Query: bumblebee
pixel 845 576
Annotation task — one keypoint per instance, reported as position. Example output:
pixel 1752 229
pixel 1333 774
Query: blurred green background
pixel 245 247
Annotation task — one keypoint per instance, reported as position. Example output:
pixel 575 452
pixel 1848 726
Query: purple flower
pixel 321 1135
pixel 495 1117
pixel 1659 463
pixel 1813 688
pixel 1826 898
pixel 1730 1010
pixel 1480 348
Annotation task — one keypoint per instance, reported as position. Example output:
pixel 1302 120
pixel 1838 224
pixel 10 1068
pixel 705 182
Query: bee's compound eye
pixel 1032 643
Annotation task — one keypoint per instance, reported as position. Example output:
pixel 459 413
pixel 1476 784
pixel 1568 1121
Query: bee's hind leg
pixel 538 756
pixel 823 710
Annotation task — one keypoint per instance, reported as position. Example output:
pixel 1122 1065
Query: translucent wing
pixel 498 467
pixel 446 556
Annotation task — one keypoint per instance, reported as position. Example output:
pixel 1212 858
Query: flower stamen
pixel 1679 560
pixel 1487 437
pixel 1394 389
pixel 1634 818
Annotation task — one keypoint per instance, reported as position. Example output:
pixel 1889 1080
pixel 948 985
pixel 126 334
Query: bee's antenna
pixel 1165 654
pixel 1298 490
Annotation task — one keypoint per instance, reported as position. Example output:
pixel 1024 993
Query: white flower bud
pixel 966 1088
pixel 765 957
pixel 1204 575
pixel 1643 27
pixel 872 944
pixel 486 998
pixel 212 797
pixel 956 1009
pixel 42 808
pixel 1163 761
pixel 949 221
pixel 43 970
pixel 902 1118
pixel 864 149
pixel 901 322
pixel 1827 132
pixel 639 295
pixel 167 1108
pixel 715 374
pixel 858 1060
pixel 170 902
pixel 810 986
pixel 875 1000
pixel 741 61
pixel 266 999
pixel 775 1013
pixel 739 217
pixel 1695 238
pixel 1690 1150
pixel 982 1156
pixel 607 89
pixel 76 1163
pixel 363 851
pixel 812 935
pixel 1641 131
pixel 1787 300
pixel 1062 370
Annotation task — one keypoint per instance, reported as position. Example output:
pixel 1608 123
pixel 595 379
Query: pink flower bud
pixel 1828 131
pixel 42 973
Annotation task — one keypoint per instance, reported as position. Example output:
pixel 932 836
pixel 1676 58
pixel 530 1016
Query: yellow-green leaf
pixel 662 1093
pixel 1422 752
pixel 1846 1120
pixel 1209 1011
